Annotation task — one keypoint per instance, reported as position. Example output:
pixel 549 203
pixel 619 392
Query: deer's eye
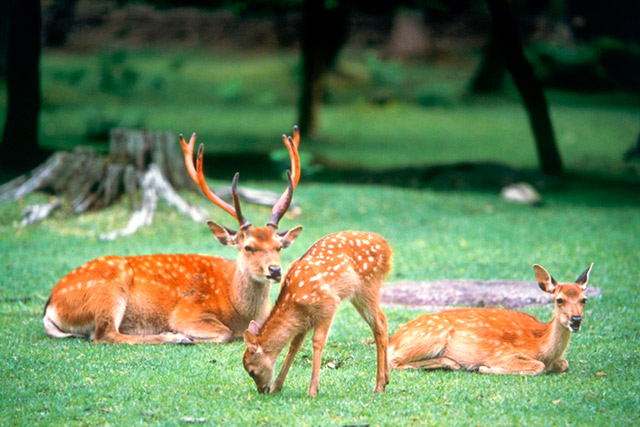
pixel 252 374
pixel 583 301
pixel 249 249
pixel 559 301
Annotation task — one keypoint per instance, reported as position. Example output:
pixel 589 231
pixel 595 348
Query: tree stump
pixel 410 38
pixel 138 161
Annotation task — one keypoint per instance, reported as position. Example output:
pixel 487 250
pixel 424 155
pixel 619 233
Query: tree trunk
pixel 150 162
pixel 323 34
pixel 19 147
pixel 528 85
pixel 56 28
pixel 409 38
pixel 5 8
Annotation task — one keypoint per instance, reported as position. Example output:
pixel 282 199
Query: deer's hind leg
pixel 320 333
pixel 370 311
pixel 119 319
pixel 419 345
pixel 109 316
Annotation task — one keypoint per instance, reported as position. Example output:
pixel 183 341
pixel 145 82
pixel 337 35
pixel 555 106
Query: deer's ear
pixel 544 279
pixel 251 342
pixel 250 339
pixel 254 327
pixel 584 278
pixel 225 235
pixel 287 237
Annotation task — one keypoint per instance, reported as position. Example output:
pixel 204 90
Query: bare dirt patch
pixel 467 292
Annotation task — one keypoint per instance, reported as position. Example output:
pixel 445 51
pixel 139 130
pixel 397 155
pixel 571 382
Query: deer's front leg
pixel 516 364
pixel 428 364
pixel 291 354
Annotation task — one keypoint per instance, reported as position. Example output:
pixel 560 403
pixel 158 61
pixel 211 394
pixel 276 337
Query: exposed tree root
pixel 138 161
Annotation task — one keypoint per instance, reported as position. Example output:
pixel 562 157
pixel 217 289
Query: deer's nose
pixel 275 271
pixel 575 322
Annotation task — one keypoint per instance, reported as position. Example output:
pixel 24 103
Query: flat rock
pixel 468 292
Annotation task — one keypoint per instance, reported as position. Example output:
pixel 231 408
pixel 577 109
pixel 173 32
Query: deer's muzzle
pixel 575 323
pixel 275 273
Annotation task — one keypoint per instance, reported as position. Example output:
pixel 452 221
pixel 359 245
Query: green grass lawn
pixel 243 103
pixel 434 235
pixel 239 103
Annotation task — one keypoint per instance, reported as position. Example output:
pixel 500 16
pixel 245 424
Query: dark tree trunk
pixel 323 33
pixel 528 85
pixel 56 28
pixel 5 8
pixel 19 147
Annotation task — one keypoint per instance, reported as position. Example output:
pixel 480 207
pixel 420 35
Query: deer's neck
pixel 280 328
pixel 554 341
pixel 250 297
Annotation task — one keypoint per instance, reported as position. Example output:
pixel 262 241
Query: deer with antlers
pixel 180 298
pixel 347 265
pixel 494 341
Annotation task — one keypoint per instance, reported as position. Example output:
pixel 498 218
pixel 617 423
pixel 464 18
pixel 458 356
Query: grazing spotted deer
pixel 347 265
pixel 179 298
pixel 494 341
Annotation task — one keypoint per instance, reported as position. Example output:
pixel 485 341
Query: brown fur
pixel 492 340
pixel 168 298
pixel 347 265
pixel 179 298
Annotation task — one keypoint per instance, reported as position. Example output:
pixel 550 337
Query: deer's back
pixel 152 283
pixel 336 267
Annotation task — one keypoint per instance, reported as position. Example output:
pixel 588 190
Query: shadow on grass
pixel 485 177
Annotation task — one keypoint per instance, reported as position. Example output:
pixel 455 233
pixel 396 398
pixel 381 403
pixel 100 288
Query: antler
pixel 292 145
pixel 236 202
pixel 284 201
pixel 197 175
pixel 279 208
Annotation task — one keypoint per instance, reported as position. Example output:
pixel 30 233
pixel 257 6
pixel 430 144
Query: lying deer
pixel 348 265
pixel 494 341
pixel 179 298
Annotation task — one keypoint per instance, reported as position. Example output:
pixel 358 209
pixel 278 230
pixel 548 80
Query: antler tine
pixel 295 161
pixel 284 201
pixel 296 136
pixel 244 224
pixel 205 188
pixel 197 175
pixel 292 146
pixel 187 149
pixel 282 204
